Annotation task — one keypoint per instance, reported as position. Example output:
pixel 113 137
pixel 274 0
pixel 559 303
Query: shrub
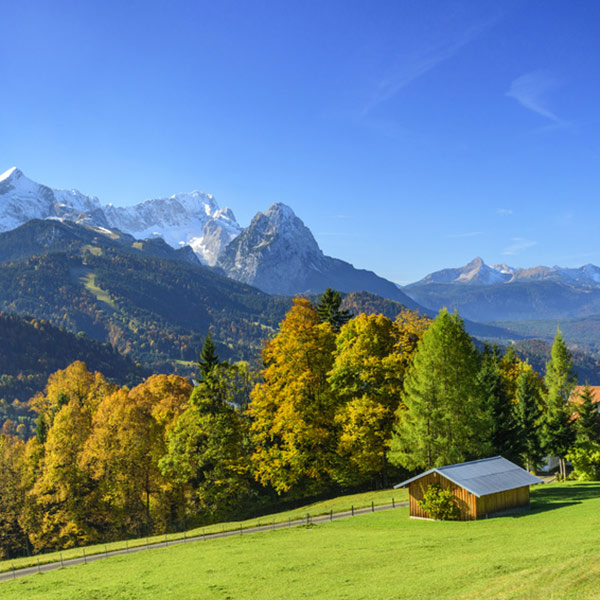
pixel 439 503
pixel 586 461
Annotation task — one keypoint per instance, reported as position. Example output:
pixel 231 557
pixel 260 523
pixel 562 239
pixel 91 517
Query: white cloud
pixel 518 245
pixel 531 91
pixel 422 60
pixel 505 211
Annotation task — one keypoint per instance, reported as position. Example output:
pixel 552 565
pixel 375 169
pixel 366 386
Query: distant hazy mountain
pixel 192 219
pixel 500 292
pixel 278 254
pixel 478 273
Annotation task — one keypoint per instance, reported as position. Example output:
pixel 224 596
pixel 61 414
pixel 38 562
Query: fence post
pixel 331 515
pixel 353 510
pixel 203 534
pixel 307 518
pixel 393 503
pixel 61 560
pixel 372 506
pixel 126 545
pixel 84 557
pixel 39 568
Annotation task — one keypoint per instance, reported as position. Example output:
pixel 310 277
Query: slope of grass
pixel 550 552
pixel 339 504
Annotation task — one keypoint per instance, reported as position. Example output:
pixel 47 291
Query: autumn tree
pixel 13 540
pixel 123 452
pixel 293 409
pixel 62 502
pixel 329 309
pixel 367 378
pixel 445 420
pixel 560 380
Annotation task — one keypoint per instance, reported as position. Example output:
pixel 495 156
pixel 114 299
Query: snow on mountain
pixel 474 273
pixel 22 199
pixel 478 273
pixel 183 219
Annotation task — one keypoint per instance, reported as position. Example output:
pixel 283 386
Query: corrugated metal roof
pixel 483 477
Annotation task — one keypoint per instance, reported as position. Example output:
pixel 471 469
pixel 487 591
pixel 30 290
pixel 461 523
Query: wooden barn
pixel 481 488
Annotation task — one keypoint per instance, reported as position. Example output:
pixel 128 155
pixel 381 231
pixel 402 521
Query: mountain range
pixel 501 293
pixel 276 253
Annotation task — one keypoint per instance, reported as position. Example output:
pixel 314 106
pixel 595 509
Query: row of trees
pixel 341 402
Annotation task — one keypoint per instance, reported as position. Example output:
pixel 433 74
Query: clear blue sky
pixel 409 136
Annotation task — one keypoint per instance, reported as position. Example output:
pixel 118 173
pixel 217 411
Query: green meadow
pixel 550 552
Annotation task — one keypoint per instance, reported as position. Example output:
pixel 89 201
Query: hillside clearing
pixel 551 552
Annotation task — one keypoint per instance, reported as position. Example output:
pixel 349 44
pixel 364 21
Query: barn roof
pixel 483 477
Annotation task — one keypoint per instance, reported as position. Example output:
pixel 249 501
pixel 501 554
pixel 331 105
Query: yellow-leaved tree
pixel 293 409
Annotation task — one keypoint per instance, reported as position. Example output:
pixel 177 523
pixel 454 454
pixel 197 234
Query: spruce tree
pixel 208 358
pixel 329 309
pixel 445 420
pixel 558 431
pixel 587 424
pixel 528 417
pixel 504 434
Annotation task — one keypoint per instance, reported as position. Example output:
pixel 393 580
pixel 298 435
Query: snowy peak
pixel 474 273
pixel 12 173
pixel 192 218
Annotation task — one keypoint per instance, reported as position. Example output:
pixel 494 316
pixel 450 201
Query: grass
pixel 549 553
pixel 89 281
pixel 339 504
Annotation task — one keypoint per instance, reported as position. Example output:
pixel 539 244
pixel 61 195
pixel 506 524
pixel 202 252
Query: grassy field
pixel 339 504
pixel 551 552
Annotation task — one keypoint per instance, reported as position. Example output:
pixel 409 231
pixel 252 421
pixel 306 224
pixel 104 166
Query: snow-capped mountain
pixel 478 273
pixel 192 219
pixel 474 273
pixel 183 219
pixel 278 254
pixel 22 200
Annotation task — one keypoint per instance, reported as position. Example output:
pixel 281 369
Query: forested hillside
pixel 32 349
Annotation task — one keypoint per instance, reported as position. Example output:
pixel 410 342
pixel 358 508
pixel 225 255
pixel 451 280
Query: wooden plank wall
pixel 467 502
pixel 470 506
pixel 510 499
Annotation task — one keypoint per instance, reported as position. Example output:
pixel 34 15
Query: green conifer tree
pixel 558 431
pixel 528 417
pixel 505 433
pixel 445 420
pixel 587 424
pixel 208 358
pixel 329 309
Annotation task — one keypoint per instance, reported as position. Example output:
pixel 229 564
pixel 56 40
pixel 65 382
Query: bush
pixel 586 461
pixel 439 503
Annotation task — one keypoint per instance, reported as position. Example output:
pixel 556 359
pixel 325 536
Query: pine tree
pixel 208 358
pixel 528 416
pixel 505 433
pixel 445 420
pixel 558 432
pixel 587 424
pixel 329 309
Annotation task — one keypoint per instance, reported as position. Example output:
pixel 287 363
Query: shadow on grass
pixel 550 498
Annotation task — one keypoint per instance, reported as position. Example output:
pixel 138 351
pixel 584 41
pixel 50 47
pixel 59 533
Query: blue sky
pixel 409 136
